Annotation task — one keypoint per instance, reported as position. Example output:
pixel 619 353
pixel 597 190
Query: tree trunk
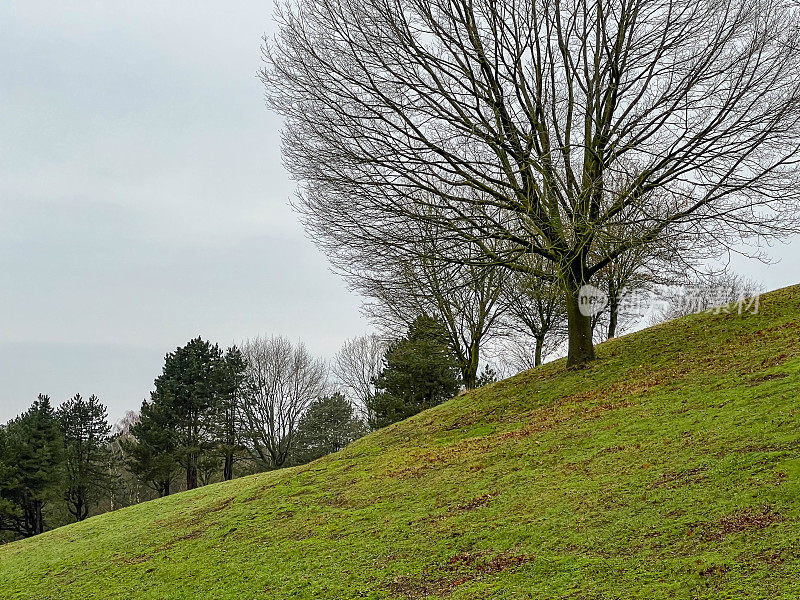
pixel 581 348
pixel 537 357
pixel 77 511
pixel 191 473
pixel 39 517
pixel 228 469
pixel 613 317
pixel 469 371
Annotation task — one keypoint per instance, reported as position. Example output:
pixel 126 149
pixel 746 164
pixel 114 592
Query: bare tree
pixel 523 128
pixel 127 488
pixel 635 274
pixel 535 310
pixel 281 381
pixel 518 354
pixel 357 365
pixel 466 299
pixel 433 279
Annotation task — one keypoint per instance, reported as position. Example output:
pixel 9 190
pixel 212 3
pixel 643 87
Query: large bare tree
pixel 281 380
pixel 527 128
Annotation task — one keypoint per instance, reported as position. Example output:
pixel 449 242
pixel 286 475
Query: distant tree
pixel 400 284
pixel 356 367
pixel 151 448
pixel 232 387
pixel 329 424
pixel 487 376
pixel 126 488
pixel 282 380
pixel 84 429
pixel 467 302
pixel 420 371
pixel 31 451
pixel 536 309
pixel 190 390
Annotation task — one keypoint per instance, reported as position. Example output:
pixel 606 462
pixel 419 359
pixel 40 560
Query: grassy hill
pixel 668 469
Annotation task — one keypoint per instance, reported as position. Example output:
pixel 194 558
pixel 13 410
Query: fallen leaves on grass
pixel 460 569
pixel 747 519
pixel 681 478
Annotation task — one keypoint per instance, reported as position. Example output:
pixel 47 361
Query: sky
pixel 143 201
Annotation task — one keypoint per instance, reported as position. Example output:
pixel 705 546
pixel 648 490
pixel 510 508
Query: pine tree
pixel 84 428
pixel 232 377
pixel 420 371
pixel 30 468
pixel 328 425
pixel 188 388
pixel 152 453
pixel 190 419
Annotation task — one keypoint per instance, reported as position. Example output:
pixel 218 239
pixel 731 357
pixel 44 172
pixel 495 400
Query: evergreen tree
pixel 232 377
pixel 189 390
pixel 84 428
pixel 328 425
pixel 190 418
pixel 487 376
pixel 151 454
pixel 420 371
pixel 30 468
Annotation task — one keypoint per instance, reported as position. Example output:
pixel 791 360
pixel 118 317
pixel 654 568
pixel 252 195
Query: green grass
pixel 668 469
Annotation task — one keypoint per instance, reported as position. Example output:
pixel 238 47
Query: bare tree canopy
pixel 356 367
pixel 712 292
pixel 465 299
pixel 282 380
pixel 535 310
pixel 528 128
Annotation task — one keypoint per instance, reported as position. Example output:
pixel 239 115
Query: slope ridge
pixel 669 468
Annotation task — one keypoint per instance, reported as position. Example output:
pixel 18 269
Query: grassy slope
pixel 670 468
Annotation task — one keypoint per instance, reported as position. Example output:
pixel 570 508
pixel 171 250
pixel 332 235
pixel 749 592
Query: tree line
pixel 214 414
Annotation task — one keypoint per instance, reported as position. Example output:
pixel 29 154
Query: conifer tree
pixel 152 453
pixel 31 455
pixel 329 424
pixel 420 371
pixel 84 428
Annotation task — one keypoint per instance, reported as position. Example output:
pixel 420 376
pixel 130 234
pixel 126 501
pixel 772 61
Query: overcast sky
pixel 143 201
pixel 142 198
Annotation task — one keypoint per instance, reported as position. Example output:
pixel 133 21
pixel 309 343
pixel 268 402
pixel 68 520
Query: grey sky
pixel 143 201
pixel 142 198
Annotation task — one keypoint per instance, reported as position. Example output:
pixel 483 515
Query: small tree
pixel 126 487
pixel 420 371
pixel 487 376
pixel 233 377
pixel 536 310
pixel 356 367
pixel 327 426
pixel 712 291
pixel 84 428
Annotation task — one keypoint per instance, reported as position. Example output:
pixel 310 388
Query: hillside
pixel 669 468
